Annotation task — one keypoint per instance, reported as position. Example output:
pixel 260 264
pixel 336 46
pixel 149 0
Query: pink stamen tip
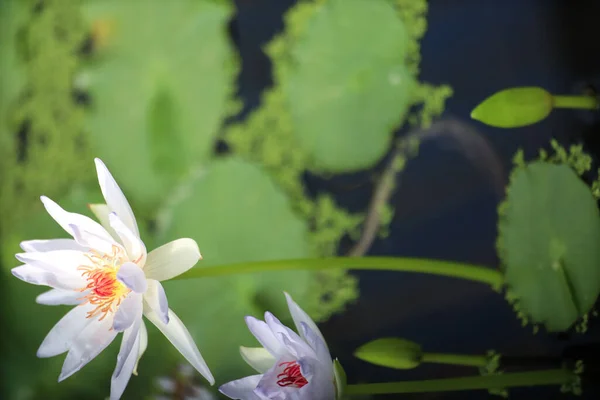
pixel 291 375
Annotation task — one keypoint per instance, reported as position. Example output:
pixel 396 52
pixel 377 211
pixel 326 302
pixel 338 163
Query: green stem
pixel 447 268
pixel 455 359
pixel 534 378
pixel 581 102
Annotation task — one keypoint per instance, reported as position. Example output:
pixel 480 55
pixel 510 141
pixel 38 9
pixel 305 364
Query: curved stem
pixel 581 102
pixel 489 276
pixel 455 359
pixel 533 378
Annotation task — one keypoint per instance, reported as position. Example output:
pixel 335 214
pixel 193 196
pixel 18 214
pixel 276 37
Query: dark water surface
pixel 445 206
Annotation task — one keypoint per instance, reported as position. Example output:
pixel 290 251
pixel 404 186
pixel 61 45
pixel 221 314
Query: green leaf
pixel 515 107
pixel 340 379
pixel 235 213
pixel 391 352
pixel 160 89
pixel 345 80
pixel 549 234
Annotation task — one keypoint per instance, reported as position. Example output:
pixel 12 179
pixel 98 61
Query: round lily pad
pixel 235 213
pixel 549 235
pixel 159 88
pixel 346 82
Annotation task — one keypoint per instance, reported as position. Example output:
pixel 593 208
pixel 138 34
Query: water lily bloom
pixel 107 274
pixel 290 366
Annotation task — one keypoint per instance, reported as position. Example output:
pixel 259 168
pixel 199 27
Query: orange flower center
pixel 105 291
pixel 291 375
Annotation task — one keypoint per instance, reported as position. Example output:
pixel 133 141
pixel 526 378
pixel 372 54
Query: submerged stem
pixel 581 102
pixel 455 359
pixel 489 276
pixel 533 378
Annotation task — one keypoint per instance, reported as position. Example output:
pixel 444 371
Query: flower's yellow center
pixel 105 291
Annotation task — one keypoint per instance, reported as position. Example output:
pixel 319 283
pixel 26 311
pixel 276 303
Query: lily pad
pixel 235 213
pixel 344 77
pixel 160 88
pixel 549 234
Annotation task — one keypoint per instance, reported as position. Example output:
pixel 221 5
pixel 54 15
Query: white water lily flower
pixel 291 366
pixel 106 272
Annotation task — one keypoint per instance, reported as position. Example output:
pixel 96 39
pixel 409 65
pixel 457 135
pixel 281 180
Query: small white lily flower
pixel 106 271
pixel 291 366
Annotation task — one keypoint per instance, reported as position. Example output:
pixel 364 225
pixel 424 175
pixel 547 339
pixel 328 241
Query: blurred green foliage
pixel 147 87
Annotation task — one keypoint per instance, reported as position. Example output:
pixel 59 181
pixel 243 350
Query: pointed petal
pixel 127 353
pixel 101 212
pixel 172 259
pixel 132 276
pixel 90 342
pixel 51 244
pixel 316 343
pixel 130 335
pixel 57 297
pixel 61 336
pixel 65 219
pixel 132 242
pixel 115 199
pixel 265 336
pixel 62 261
pixel 297 346
pixel 143 345
pixel 258 358
pixel 179 336
pixel 241 389
pixel 39 276
pixel 300 316
pixel 103 243
pixel 320 377
pixel 156 298
pixel 61 264
pixel 128 312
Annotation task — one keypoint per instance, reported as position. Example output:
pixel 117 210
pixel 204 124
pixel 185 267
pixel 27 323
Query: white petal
pixel 298 347
pixel 60 337
pixel 129 337
pixel 57 297
pixel 101 212
pixel 62 264
pixel 132 276
pixel 143 345
pixel 115 199
pixel 241 389
pixel 127 353
pixel 266 338
pixel 179 336
pixel 316 343
pixel 258 358
pixel 172 259
pixel 103 243
pixel 128 312
pixel 132 242
pixel 156 298
pixel 268 388
pixel 40 276
pixel 51 244
pixel 65 219
pixel 94 338
pixel 321 385
pixel 300 316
